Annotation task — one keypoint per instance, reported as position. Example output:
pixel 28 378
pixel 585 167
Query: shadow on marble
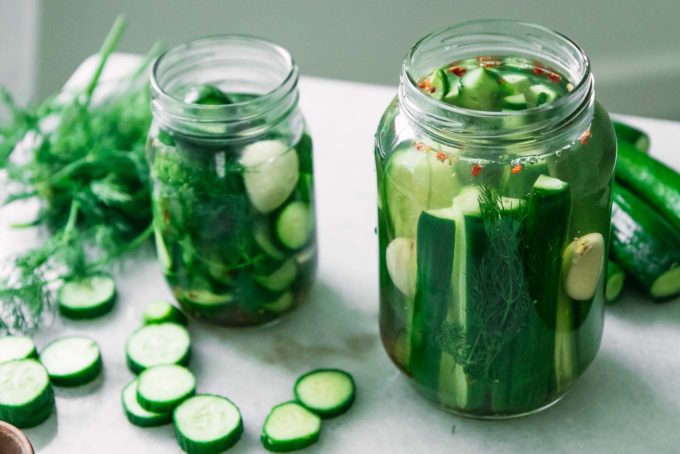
pixel 77 392
pixel 636 307
pixel 43 434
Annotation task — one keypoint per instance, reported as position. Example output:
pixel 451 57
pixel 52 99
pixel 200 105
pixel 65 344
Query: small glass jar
pixel 493 223
pixel 233 191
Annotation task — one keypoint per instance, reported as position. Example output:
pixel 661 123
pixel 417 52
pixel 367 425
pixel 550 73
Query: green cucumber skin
pixel 651 180
pixel 632 135
pixel 330 412
pixel 614 271
pixel 87 313
pixel 643 242
pixel 165 406
pixel 29 414
pixel 158 420
pixel 137 368
pixel 81 378
pixel 278 446
pixel 548 218
pixel 434 257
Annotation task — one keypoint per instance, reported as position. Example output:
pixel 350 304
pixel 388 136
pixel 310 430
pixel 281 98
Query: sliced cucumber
pixel 583 264
pixel 416 181
pixel 645 244
pixel 400 256
pixel 162 312
pixel 518 83
pixel 439 83
pixel 271 173
pixel 263 239
pixel 162 388
pixel 72 361
pixel 515 102
pixel 289 427
pixel 280 279
pixel 202 297
pixel 326 392
pixel 26 395
pixel 616 277
pixel 136 414
pixel 16 347
pixel 294 225
pixel 435 247
pixel 539 94
pixel 480 90
pixel 86 298
pixel 207 424
pixel 451 96
pixel 156 345
pixel 281 304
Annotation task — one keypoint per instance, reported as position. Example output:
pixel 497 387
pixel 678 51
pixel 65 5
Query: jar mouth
pixel 235 63
pixel 498 38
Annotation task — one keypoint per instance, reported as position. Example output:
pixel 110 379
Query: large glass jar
pixel 231 163
pixel 494 218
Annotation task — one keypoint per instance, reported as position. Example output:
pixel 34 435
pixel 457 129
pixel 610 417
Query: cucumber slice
pixel 289 427
pixel 87 298
pixel 440 83
pixel 206 424
pixel 645 244
pixel 451 96
pixel 515 102
pixel 162 388
pixel 136 414
pixel 156 345
pixel 294 225
pixel 435 247
pixel 634 136
pixel 280 279
pixel 400 256
pixel 201 297
pixel 72 361
pixel 539 94
pixel 416 181
pixel 163 312
pixel 480 90
pixel 16 347
pixel 583 264
pixel 326 392
pixel 517 83
pixel 282 304
pixel 616 277
pixel 206 94
pixel 263 239
pixel 26 395
pixel 271 172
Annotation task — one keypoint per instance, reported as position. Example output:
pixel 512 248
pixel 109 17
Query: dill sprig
pixel 499 299
pixel 85 162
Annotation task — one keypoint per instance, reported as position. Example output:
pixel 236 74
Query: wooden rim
pixel 13 440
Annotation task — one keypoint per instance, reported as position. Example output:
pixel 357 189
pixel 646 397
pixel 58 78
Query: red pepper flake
pixel 441 156
pixel 538 71
pixel 585 137
pixel 457 70
pixel 554 77
pixel 502 81
pixel 432 89
pixel 516 169
pixel 487 61
pixel 476 169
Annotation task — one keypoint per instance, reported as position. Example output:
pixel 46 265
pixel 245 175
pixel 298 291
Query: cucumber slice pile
pixel 157 345
pixel 138 415
pixel 72 361
pixel 289 427
pixel 26 395
pixel 206 424
pixel 87 298
pixel 326 392
pixel 163 312
pixel 16 347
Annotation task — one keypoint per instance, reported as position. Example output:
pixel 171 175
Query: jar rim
pixel 277 100
pixel 504 37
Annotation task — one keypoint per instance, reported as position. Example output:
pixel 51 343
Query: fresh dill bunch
pixel 85 162
pixel 499 298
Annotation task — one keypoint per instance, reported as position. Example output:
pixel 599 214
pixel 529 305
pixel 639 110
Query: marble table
pixel 628 401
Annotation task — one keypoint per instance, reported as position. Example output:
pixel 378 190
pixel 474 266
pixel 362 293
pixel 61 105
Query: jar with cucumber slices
pixel 494 167
pixel 231 164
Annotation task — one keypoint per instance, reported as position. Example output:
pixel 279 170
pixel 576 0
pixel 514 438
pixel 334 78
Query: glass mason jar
pixel 233 193
pixel 494 222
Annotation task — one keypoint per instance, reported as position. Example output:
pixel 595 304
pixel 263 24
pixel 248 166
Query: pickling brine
pixel 494 175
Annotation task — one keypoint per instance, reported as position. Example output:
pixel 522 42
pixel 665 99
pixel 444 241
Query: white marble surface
pixel 628 401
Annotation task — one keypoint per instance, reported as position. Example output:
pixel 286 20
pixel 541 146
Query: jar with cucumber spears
pixel 495 167
pixel 233 193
